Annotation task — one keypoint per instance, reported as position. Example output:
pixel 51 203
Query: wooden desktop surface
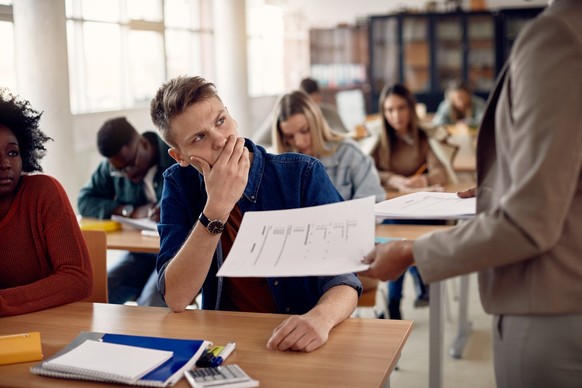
pixel 359 352
pixel 128 239
pixel 132 240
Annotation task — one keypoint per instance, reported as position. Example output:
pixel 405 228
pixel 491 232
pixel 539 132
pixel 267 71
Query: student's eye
pixel 13 153
pixel 220 121
pixel 305 130
pixel 197 138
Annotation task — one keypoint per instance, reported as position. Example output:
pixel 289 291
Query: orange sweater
pixel 43 258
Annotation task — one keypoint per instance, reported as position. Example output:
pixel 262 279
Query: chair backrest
pixel 96 242
pixel 368 297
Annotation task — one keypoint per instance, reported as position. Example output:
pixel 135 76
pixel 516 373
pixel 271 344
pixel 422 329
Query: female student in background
pixel 406 156
pixel 43 256
pixel 460 105
pixel 405 159
pixel 299 126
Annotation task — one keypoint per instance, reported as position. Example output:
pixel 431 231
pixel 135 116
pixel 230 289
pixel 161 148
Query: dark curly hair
pixel 18 116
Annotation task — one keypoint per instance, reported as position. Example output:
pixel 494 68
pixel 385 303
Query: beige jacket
pixel 526 240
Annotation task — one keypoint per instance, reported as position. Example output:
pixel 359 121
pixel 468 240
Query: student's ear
pixel 178 157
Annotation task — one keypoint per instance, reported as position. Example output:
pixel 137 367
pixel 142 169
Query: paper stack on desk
pixel 426 206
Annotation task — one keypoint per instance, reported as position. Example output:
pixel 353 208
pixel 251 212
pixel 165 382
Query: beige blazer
pixel 526 240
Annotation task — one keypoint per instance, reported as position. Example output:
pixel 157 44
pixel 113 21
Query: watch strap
pixel 212 226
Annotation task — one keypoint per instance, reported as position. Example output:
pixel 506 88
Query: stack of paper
pixel 426 206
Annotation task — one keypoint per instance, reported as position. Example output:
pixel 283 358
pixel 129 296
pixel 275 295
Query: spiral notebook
pixel 127 359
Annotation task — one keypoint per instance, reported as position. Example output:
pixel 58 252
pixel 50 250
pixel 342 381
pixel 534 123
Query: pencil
pixel 420 170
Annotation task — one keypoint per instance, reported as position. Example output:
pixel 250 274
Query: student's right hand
pixel 226 179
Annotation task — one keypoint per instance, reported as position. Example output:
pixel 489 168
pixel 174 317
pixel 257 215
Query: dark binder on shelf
pixel 185 354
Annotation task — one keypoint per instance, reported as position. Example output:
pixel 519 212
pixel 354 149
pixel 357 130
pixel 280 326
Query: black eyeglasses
pixel 130 168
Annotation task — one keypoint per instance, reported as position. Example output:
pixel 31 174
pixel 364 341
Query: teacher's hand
pixel 389 260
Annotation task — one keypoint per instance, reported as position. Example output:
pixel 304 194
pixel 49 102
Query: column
pixel 43 78
pixel 230 40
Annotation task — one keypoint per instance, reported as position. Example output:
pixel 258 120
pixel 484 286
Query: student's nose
pixel 218 141
pixel 4 162
pixel 300 140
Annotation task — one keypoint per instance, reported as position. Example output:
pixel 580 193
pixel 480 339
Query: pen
pixel 420 170
pixel 228 349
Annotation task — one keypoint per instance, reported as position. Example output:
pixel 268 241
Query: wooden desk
pixel 464 137
pixel 132 240
pixel 359 352
pixel 436 315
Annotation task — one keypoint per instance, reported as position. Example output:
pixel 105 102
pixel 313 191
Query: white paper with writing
pixel 321 240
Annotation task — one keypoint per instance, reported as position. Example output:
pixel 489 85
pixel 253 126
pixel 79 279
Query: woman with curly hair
pixel 43 258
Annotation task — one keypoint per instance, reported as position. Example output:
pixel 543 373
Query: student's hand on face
pixel 417 181
pixel 469 193
pixel 303 333
pixel 389 260
pixel 227 178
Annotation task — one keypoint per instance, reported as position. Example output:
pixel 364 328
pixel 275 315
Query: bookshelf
pixel 426 51
pixel 339 59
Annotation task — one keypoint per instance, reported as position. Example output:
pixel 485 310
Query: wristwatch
pixel 127 210
pixel 212 226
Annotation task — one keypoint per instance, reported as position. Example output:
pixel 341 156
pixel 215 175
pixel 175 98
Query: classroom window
pixel 7 60
pixel 265 44
pixel 120 51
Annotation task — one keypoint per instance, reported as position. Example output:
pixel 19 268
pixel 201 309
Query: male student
pixel 526 240
pixel 219 177
pixel 334 120
pixel 128 182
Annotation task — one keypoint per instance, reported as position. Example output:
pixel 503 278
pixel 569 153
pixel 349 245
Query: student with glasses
pixel 128 182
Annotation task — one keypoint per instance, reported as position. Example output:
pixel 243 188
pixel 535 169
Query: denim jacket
pixel 353 173
pixel 275 182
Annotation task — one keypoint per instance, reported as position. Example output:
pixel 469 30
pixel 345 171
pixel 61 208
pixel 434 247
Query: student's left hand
pixel 303 333
pixel 389 260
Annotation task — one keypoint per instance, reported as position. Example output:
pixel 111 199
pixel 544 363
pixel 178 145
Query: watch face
pixel 215 227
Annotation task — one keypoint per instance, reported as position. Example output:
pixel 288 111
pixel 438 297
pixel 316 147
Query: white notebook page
pixel 109 361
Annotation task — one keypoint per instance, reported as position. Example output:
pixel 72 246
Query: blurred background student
pixel 299 126
pixel 334 120
pixel 407 157
pixel 44 259
pixel 128 182
pixel 460 105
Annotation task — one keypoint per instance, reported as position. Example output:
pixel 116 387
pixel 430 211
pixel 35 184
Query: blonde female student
pixel 299 126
